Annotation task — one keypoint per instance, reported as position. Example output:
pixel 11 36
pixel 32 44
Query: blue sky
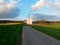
pixel 25 8
pixel 21 9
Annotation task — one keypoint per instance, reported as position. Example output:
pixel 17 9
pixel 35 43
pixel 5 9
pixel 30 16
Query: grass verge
pixel 49 31
pixel 9 34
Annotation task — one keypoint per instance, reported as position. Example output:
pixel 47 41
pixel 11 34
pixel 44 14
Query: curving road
pixel 31 36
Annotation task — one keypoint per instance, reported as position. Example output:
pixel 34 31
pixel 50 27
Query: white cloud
pixel 1 1
pixel 37 5
pixel 9 9
pixel 57 3
pixel 56 7
pixel 47 3
pixel 4 7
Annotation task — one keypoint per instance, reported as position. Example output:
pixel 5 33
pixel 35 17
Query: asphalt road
pixel 31 36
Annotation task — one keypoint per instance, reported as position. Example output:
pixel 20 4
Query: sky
pixel 37 9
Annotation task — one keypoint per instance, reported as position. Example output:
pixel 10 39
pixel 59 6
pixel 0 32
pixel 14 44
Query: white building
pixel 29 21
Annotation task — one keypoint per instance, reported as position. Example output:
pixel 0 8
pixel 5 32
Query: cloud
pixel 1 1
pixel 52 7
pixel 57 3
pixel 12 13
pixel 10 4
pixel 56 7
pixel 9 9
pixel 45 17
pixel 46 3
pixel 37 5
pixel 53 10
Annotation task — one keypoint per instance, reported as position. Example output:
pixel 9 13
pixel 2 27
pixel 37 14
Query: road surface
pixel 31 36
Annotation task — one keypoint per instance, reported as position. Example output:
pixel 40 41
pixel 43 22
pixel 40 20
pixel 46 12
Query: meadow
pixel 52 30
pixel 9 34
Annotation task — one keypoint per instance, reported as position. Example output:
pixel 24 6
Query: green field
pixel 10 33
pixel 49 29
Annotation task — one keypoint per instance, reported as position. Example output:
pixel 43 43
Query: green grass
pixel 51 30
pixel 54 25
pixel 10 33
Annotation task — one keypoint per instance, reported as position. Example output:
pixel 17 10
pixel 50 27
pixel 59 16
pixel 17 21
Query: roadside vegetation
pixel 10 33
pixel 49 29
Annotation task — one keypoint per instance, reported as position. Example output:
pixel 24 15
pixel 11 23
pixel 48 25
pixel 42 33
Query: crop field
pixel 52 30
pixel 10 33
